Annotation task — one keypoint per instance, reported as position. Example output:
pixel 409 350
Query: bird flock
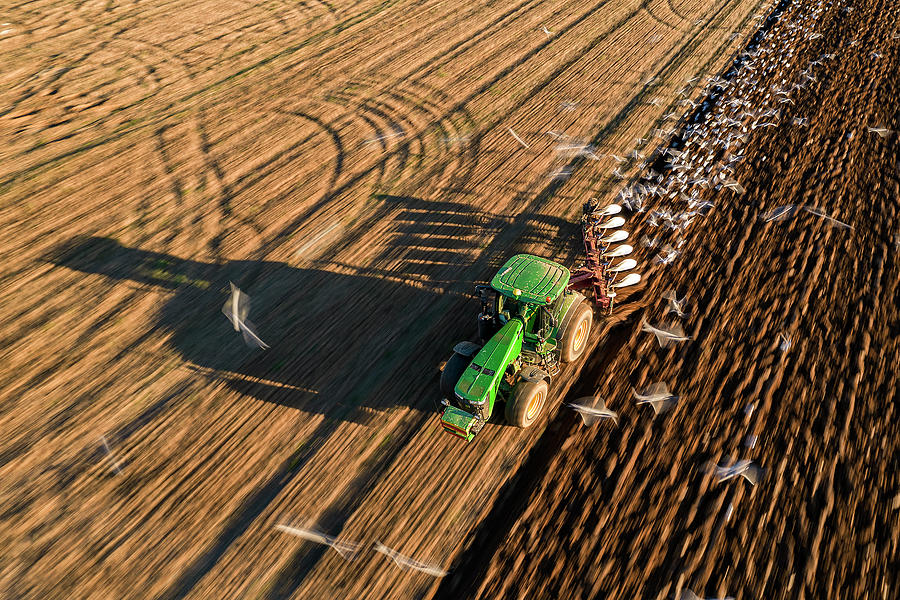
pixel 704 158
pixel 674 191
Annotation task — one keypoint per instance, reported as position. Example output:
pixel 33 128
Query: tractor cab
pixel 526 287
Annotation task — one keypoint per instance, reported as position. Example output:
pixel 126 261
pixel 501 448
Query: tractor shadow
pixel 339 341
pixel 321 326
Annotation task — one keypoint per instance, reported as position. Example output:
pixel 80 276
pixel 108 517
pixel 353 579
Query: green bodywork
pixel 525 285
pixel 479 383
pixel 531 279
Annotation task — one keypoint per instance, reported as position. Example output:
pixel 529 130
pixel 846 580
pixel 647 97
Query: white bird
pixel 347 550
pixel 405 562
pixel 666 256
pixel 648 243
pixel 386 136
pixel 115 464
pixel 666 335
pixel 546 31
pixel 785 344
pixel 658 396
pixel 618 158
pixel 237 308
pixel 742 468
pixel 675 305
pixel 518 139
pixel 734 186
pixel 592 414
pixel 880 131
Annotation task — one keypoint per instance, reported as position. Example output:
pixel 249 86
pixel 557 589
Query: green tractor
pixel 530 323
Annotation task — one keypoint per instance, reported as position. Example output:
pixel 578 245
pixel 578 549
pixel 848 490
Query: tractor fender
pixel 567 311
pixel 467 348
pixel 534 375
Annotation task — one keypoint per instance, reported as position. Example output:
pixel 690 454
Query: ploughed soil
pixel 349 165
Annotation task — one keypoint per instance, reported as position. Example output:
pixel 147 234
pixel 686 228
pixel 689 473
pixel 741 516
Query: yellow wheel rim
pixel 534 405
pixel 580 335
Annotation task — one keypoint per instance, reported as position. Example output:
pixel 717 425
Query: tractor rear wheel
pixel 451 373
pixel 527 402
pixel 575 332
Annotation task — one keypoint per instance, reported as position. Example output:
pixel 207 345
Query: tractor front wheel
pixel 451 373
pixel 527 402
pixel 575 333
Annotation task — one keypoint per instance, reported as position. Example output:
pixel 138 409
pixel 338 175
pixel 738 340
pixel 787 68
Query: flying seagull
pixel 546 31
pixel 115 464
pixel 742 468
pixel 347 550
pixel 734 186
pixel 518 139
pixel 386 136
pixel 675 305
pixel 237 308
pixel 880 131
pixel 666 335
pixel 658 396
pixel 667 255
pixel 592 409
pixel 405 562
pixel 785 344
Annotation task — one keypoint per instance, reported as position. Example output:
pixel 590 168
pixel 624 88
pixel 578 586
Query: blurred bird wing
pixel 816 211
pixel 662 405
pixel 250 337
pixel 237 307
pixel 347 550
pixel 777 214
pixel 752 473
pixel 405 562
pixel 307 534
pixel 657 390
pixel 675 331
pixel 587 418
pixel 670 295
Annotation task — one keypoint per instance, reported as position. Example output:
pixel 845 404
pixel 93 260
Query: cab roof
pixel 535 278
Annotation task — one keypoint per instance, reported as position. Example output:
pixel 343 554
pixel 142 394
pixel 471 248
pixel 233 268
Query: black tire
pixel 527 403
pixel 575 332
pixel 453 370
